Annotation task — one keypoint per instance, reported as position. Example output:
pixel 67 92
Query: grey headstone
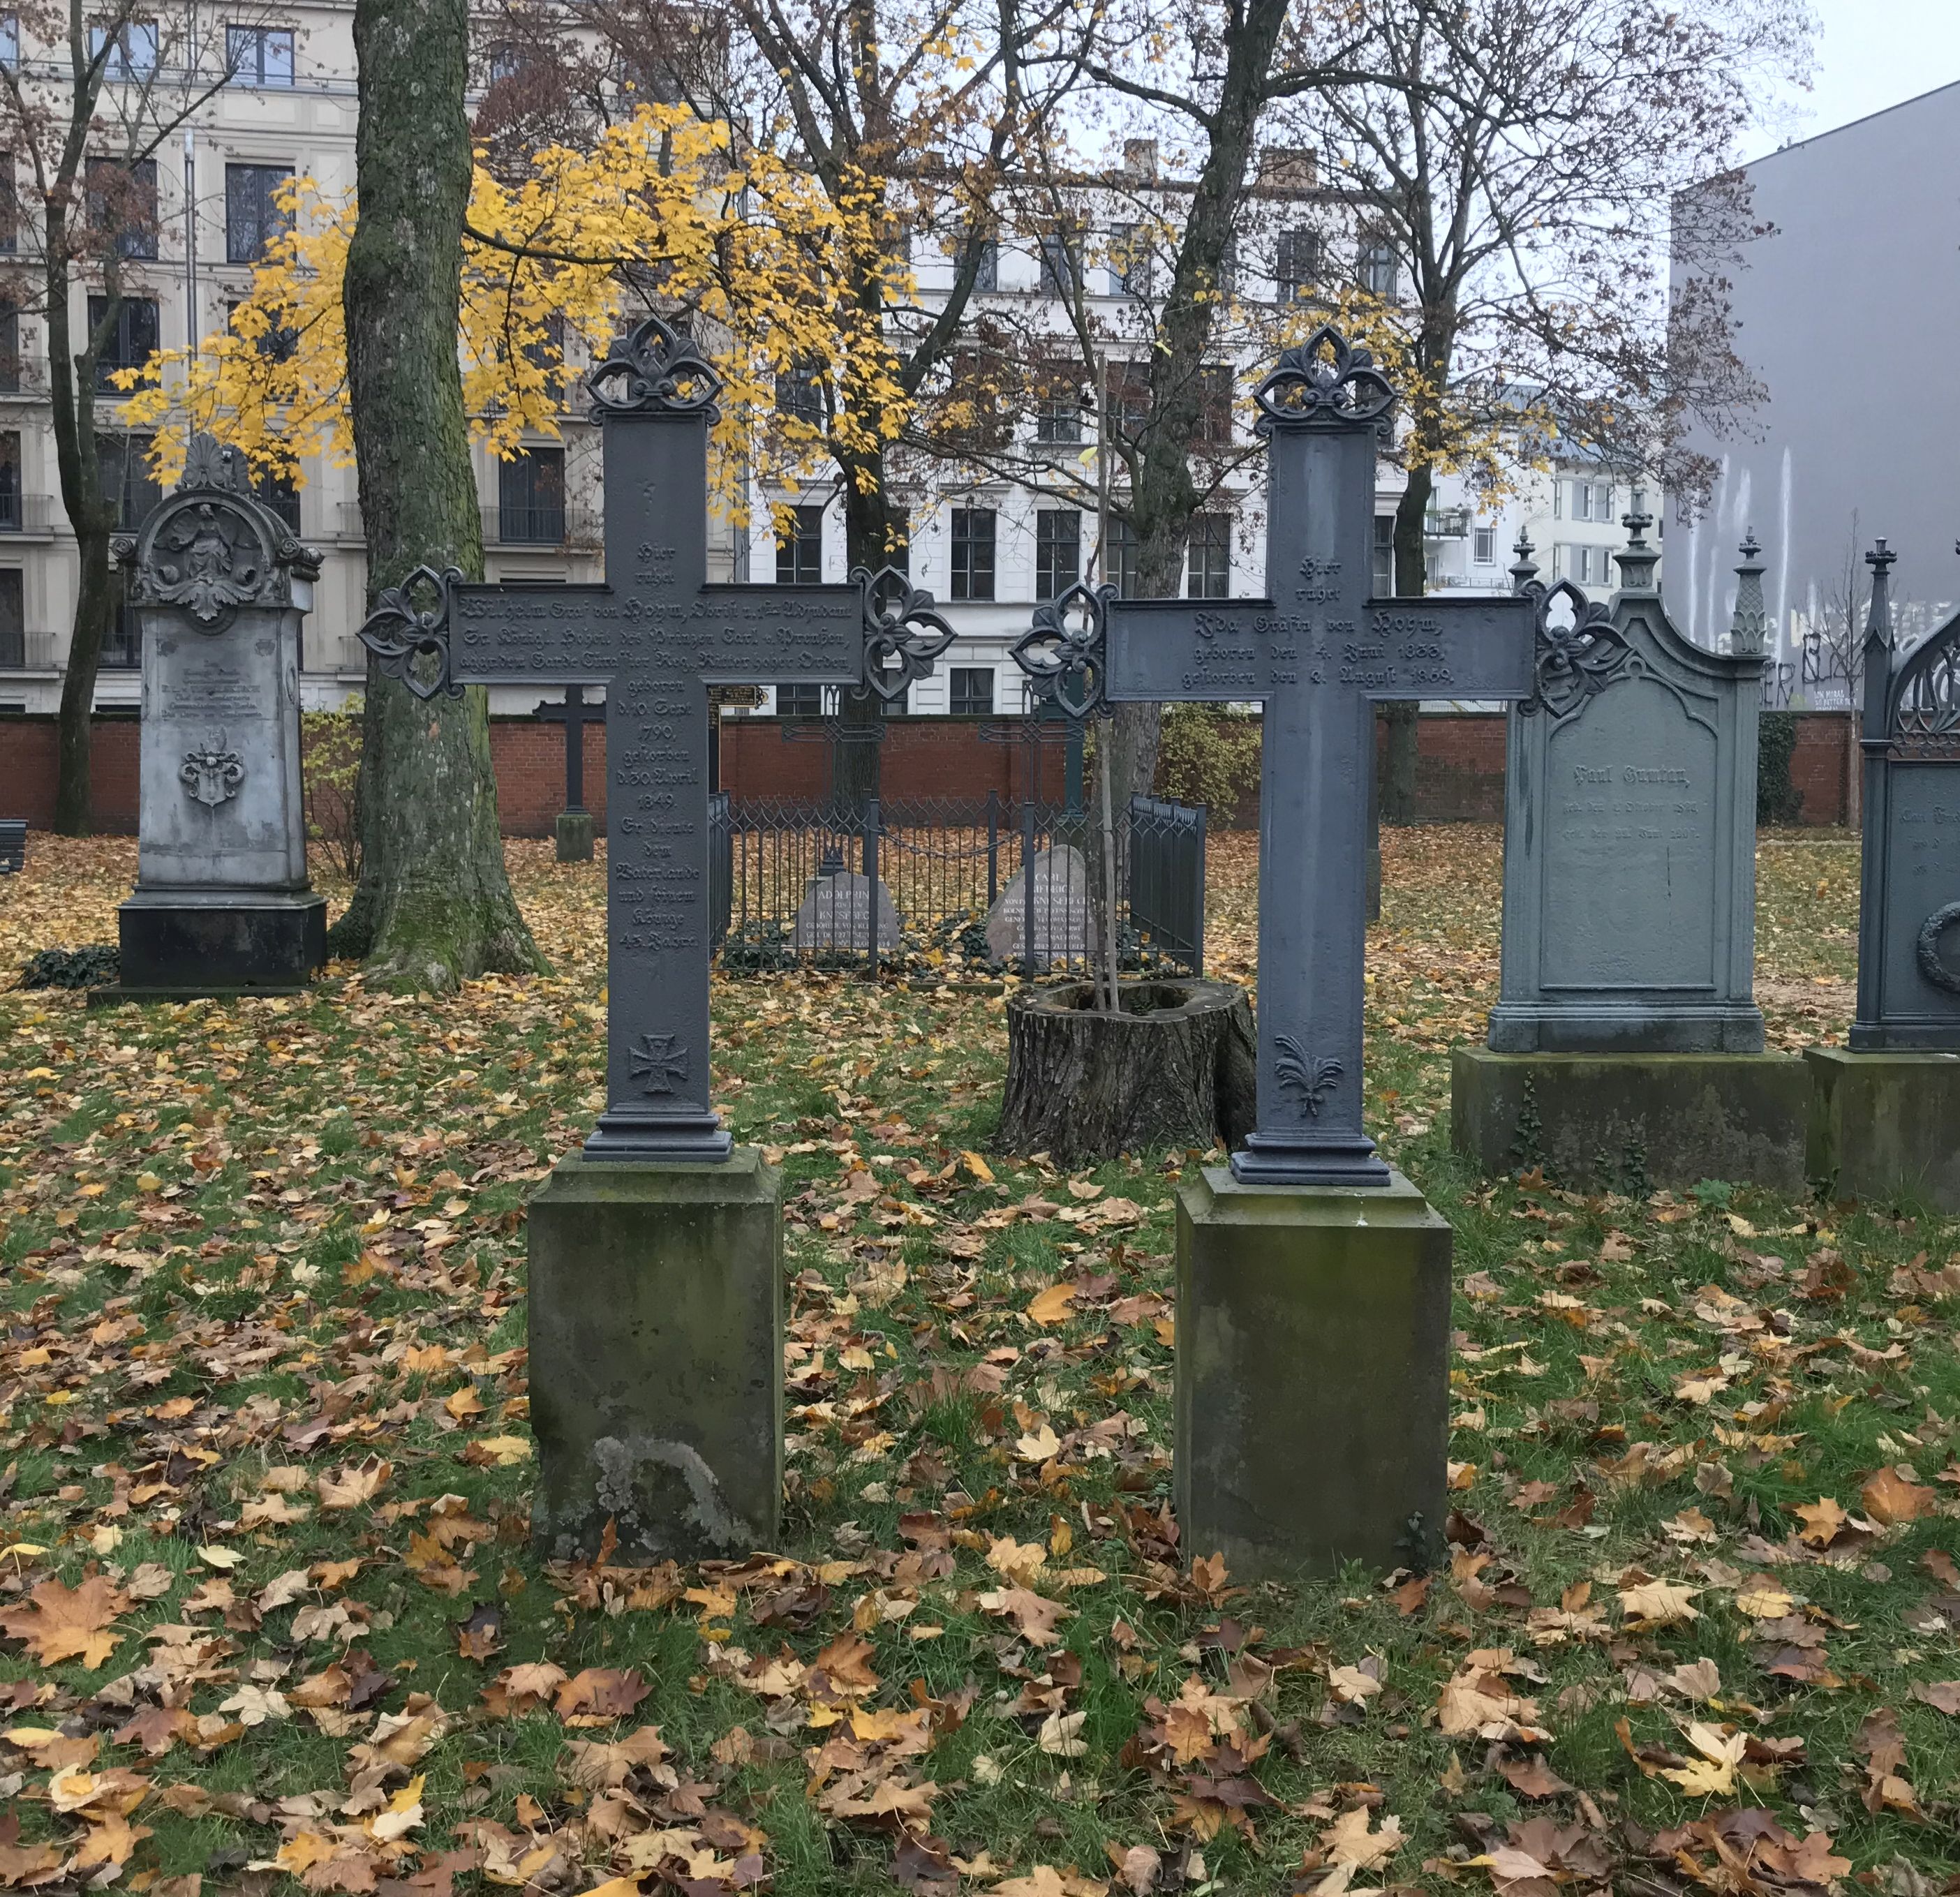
pixel 1630 834
pixel 1062 909
pixel 1909 912
pixel 836 914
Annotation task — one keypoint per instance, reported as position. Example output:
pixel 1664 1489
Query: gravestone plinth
pixel 836 910
pixel 1313 1375
pixel 1061 903
pixel 574 834
pixel 221 901
pixel 1882 1115
pixel 655 1296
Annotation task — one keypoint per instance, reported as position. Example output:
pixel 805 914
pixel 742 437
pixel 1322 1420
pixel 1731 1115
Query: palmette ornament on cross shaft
pixel 410 642
pixel 1573 662
pixel 1324 382
pixel 1064 653
pixel 654 370
pixel 904 632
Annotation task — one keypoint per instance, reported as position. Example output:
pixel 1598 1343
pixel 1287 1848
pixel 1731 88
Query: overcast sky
pixel 1872 54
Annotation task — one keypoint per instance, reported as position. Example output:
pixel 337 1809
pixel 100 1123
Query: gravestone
pixel 221 900
pixel 1313 1281
pixel 1627 1014
pixel 573 830
pixel 836 914
pixel 655 1296
pixel 1060 907
pixel 1882 1115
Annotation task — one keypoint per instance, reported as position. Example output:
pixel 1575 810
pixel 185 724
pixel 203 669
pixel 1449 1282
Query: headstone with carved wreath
pixel 221 903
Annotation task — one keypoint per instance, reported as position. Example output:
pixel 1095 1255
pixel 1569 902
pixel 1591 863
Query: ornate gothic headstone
pixel 1630 825
pixel 221 899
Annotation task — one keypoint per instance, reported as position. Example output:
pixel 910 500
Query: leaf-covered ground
pixel 267 1610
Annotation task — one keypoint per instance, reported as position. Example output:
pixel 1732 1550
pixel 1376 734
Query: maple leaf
pixel 1713 1775
pixel 1659 1603
pixel 846 1665
pixel 357 1483
pixel 1050 1306
pixel 1942 1695
pixel 68 1623
pixel 1019 1561
pixel 1035 1615
pixel 1352 1686
pixel 1822 1520
pixel 1532 1777
pixel 1888 1498
pixel 1349 1841
pixel 110 1841
pixel 23 1866
pixel 598 1695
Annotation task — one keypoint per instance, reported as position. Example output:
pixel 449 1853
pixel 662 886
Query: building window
pixel 1384 574
pixel 9 349
pixel 1057 550
pixel 259 55
pixel 1214 405
pixel 1122 556
pixel 972 690
pixel 1057 406
pixel 973 553
pixel 800 551
pixel 1126 397
pixel 13 620
pixel 1208 558
pixel 800 395
pixel 1297 264
pixel 987 265
pixel 1061 264
pixel 1379 273
pixel 278 493
pixel 10 41
pixel 1589 566
pixel 132 343
pixel 253 216
pixel 1129 260
pixel 530 498
pixel 1592 501
pixel 127 483
pixel 274 343
pixel 799 701
pixel 121 203
pixel 133 55
pixel 1483 545
pixel 10 480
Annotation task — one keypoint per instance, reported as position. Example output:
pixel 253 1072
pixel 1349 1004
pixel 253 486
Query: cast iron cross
pixel 574 715
pixel 656 635
pixel 1318 653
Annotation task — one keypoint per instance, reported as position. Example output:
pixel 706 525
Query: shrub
pixel 1209 755
pixel 1778 800
pixel 94 965
pixel 330 749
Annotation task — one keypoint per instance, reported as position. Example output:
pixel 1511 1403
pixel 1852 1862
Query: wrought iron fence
pixel 943 883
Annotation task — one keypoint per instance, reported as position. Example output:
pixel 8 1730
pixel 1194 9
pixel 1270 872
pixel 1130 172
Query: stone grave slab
pixel 222 900
pixel 1060 910
pixel 836 910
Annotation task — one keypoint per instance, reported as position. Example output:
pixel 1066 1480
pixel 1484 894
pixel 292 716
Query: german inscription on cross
pixel 1317 653
pixel 656 635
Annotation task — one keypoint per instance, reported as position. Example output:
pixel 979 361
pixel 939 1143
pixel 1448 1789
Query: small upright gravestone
pixel 836 910
pixel 1882 1115
pixel 1059 903
pixel 1626 1047
pixel 221 900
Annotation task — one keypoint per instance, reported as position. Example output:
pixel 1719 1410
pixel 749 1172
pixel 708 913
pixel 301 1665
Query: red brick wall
pixel 924 757
pixel 1821 764
pixel 27 765
pixel 529 757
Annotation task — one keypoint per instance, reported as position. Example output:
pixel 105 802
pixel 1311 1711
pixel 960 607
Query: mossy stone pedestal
pixel 575 836
pixel 657 1358
pixel 1313 1375
pixel 1883 1126
pixel 1625 1122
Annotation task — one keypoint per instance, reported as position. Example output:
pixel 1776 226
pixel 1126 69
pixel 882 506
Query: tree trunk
pixel 1398 785
pixel 95 599
pixel 855 771
pixel 434 905
pixel 1176 1068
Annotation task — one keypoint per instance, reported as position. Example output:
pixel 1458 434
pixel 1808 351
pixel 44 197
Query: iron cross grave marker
pixel 656 635
pixel 1318 653
pixel 574 715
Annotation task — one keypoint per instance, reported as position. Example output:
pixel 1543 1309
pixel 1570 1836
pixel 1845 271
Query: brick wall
pixel 1459 767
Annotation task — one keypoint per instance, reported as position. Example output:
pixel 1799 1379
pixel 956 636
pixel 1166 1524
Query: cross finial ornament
pixel 657 634
pixel 1637 563
pixel 1317 653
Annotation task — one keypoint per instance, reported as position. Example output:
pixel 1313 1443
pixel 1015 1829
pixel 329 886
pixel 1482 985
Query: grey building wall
pixel 1849 311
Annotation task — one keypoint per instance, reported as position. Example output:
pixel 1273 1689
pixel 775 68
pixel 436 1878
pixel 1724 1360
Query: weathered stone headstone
pixel 656 1254
pixel 573 828
pixel 1629 930
pixel 1313 1282
pixel 1060 910
pixel 835 913
pixel 1882 1115
pixel 221 900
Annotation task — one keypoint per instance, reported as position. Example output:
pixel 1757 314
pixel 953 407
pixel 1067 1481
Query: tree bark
pixel 1398 789
pixel 434 905
pixel 1084 1086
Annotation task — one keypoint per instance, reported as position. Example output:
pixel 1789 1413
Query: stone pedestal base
pixel 657 1358
pixel 1313 1375
pixel 1627 1122
pixel 575 836
pixel 1627 1028
pixel 1882 1126
pixel 180 944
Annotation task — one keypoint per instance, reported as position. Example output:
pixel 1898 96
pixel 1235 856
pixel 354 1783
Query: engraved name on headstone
pixel 1630 829
pixel 835 913
pixel 1319 653
pixel 657 634
pixel 1060 910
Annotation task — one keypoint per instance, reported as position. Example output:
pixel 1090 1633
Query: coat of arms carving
pixel 213 774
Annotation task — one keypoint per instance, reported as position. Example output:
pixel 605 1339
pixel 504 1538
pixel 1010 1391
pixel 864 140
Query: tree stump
pixel 1175 1067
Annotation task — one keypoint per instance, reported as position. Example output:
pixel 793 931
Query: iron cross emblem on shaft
pixel 1317 653
pixel 656 635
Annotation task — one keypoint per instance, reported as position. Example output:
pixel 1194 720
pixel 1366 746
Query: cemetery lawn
pixel 267 1612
